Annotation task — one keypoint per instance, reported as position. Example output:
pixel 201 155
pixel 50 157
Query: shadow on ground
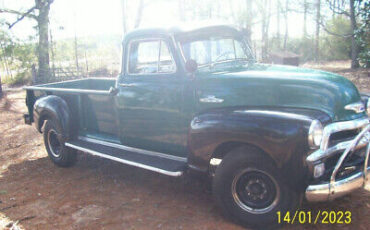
pixel 100 194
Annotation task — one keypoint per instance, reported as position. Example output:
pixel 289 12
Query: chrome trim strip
pixel 341 126
pixel 215 161
pixel 358 107
pixel 132 149
pixel 211 99
pixel 92 152
pixel 319 154
pixel 67 90
pixel 126 85
pixel 67 81
pixel 46 84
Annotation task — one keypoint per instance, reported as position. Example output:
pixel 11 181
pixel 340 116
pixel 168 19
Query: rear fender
pixel 52 108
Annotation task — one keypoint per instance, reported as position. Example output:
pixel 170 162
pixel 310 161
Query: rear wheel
pixel 54 144
pixel 249 188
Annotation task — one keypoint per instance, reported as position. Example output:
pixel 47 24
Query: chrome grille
pixel 341 128
pixel 342 136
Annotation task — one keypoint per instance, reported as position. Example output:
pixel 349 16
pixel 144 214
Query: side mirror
pixel 191 65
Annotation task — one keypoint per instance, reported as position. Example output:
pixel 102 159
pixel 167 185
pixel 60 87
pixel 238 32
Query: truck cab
pixel 196 99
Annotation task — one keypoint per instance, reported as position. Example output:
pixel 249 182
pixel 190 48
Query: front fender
pixel 281 133
pixel 54 108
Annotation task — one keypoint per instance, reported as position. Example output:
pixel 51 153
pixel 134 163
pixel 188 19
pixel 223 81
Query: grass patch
pixel 17 80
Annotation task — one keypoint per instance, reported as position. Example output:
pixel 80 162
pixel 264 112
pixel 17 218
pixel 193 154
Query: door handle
pixel 113 91
pixel 126 85
pixel 211 99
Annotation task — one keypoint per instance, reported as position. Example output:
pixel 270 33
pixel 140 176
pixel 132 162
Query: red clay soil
pixel 101 194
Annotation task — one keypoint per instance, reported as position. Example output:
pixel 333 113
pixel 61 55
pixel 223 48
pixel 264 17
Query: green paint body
pixel 155 112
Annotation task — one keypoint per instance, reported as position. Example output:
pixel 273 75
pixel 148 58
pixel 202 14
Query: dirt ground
pixel 101 194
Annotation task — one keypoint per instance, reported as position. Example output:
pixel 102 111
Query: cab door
pixel 150 99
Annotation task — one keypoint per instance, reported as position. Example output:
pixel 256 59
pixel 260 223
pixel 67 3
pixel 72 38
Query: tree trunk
pixel 87 65
pixel 181 10
pixel 124 17
pixel 34 74
pixel 263 38
pixel 43 47
pixel 52 54
pixel 286 23
pixel 76 53
pixel 333 10
pixel 218 9
pixel 354 46
pixel 139 14
pixel 278 6
pixel 317 38
pixel 317 33
pixel 249 20
pixel 267 44
pixel 232 13
pixel 210 6
pixel 305 18
pixel 43 7
pixel 266 15
pixel 5 61
pixel 1 89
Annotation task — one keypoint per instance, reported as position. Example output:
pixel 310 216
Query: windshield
pixel 212 50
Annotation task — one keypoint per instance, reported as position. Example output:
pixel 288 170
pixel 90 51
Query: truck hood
pixel 281 86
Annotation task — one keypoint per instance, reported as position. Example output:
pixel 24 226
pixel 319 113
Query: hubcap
pixel 54 143
pixel 255 191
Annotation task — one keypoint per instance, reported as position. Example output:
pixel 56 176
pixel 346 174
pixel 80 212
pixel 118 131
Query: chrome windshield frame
pixel 245 45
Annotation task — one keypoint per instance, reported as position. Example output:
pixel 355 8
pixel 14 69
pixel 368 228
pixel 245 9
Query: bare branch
pixel 22 15
pixel 337 9
pixel 335 34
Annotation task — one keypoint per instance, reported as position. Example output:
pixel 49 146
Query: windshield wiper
pixel 237 61
pixel 213 64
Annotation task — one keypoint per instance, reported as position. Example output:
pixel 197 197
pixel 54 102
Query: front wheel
pixel 249 189
pixel 59 154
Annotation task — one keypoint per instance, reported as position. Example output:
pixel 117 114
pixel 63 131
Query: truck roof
pixel 181 30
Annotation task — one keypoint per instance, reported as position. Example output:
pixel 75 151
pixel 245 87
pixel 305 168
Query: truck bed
pixel 88 85
pixel 74 92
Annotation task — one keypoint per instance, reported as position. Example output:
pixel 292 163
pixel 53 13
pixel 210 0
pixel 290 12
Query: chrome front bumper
pixel 333 189
pixel 324 192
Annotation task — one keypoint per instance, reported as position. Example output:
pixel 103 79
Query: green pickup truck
pixel 195 99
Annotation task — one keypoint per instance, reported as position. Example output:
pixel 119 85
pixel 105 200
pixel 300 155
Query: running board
pixel 169 167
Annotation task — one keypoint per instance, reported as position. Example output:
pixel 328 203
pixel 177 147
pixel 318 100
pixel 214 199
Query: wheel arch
pixel 280 133
pixel 225 148
pixel 53 108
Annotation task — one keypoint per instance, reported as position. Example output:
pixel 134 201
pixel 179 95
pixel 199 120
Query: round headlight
pixel 315 134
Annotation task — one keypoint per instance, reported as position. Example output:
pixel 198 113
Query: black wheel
pixel 54 144
pixel 249 189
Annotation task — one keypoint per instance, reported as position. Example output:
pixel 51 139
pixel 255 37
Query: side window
pixel 166 64
pixel 148 57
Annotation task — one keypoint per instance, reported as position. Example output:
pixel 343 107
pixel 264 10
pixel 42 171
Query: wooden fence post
pixel 34 74
pixel 1 89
